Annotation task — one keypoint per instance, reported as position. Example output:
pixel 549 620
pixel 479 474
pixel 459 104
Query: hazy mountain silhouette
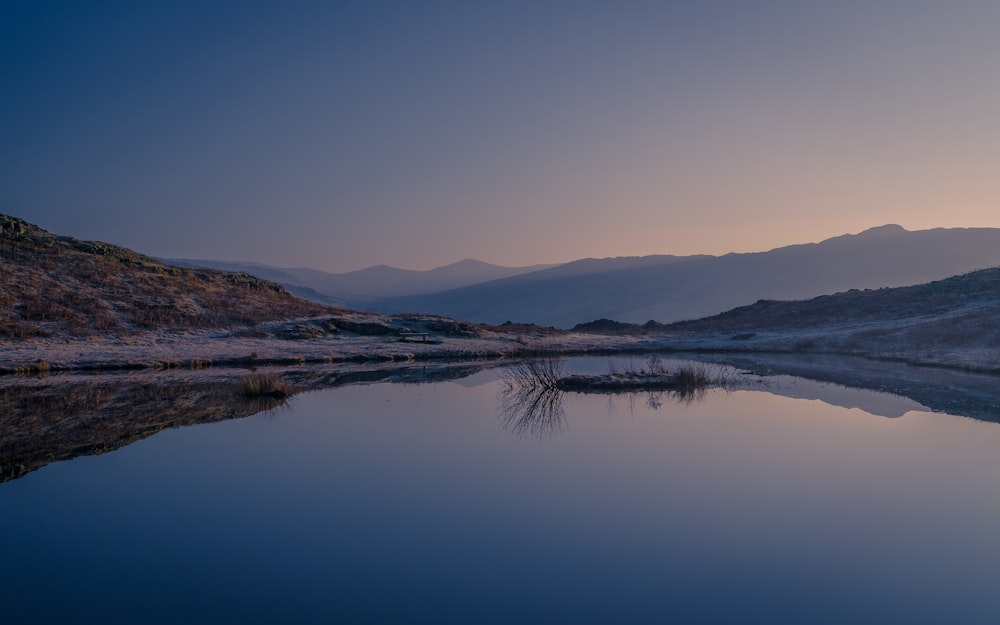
pixel 671 288
pixel 357 288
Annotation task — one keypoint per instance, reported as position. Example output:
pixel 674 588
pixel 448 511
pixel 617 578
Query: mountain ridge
pixel 672 288
pixel 357 288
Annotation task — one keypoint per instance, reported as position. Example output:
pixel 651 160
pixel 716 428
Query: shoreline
pixel 86 411
pixel 223 349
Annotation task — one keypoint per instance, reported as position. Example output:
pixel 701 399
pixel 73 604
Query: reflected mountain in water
pixel 43 423
pixel 530 401
pixel 63 417
pixel 960 393
pixel 871 401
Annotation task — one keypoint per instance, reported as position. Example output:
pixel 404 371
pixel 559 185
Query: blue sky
pixel 339 135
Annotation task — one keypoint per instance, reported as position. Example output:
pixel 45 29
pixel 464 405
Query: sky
pixel 339 135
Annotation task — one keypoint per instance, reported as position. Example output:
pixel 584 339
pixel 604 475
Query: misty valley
pixel 440 492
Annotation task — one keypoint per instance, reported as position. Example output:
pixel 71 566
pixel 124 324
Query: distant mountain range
pixel 674 288
pixel 60 287
pixel 358 289
pixel 662 288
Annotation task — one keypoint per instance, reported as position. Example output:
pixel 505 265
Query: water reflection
pixel 58 420
pixel 44 420
pixel 956 392
pixel 530 399
pixel 392 503
pixel 65 416
pixel 534 411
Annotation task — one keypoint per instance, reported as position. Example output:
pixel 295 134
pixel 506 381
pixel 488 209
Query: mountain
pixel 949 322
pixel 358 288
pixel 672 288
pixel 967 304
pixel 288 278
pixel 55 285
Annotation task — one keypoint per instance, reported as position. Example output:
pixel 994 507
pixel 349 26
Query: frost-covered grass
pixel 971 344
pixel 62 287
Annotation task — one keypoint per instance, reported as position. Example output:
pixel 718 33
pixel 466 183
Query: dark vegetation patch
pixel 364 328
pixel 606 326
pixel 448 327
pixel 525 328
pixel 532 390
pixel 547 373
pixel 264 384
pixel 304 331
pixel 610 326
pixel 654 376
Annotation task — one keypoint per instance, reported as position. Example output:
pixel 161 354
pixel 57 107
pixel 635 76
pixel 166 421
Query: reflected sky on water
pixel 415 503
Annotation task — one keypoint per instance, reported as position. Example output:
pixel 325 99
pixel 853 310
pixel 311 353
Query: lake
pixel 791 502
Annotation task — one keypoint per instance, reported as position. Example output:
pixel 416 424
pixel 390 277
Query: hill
pixel 975 294
pixel 359 288
pixel 55 285
pixel 954 314
pixel 671 288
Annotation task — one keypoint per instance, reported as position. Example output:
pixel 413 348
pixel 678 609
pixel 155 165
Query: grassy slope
pixel 53 285
pixel 958 313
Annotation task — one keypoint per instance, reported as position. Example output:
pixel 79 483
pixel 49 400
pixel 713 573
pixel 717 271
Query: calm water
pixel 393 503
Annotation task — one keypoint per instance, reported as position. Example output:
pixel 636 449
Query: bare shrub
pixel 542 372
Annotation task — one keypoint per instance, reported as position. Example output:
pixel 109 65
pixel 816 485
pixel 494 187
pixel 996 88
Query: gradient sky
pixel 339 135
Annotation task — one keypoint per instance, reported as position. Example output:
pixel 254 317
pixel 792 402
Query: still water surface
pixel 393 503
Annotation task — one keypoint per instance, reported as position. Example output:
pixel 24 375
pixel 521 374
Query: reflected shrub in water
pixel 692 378
pixel 531 395
pixel 543 373
pixel 264 385
pixel 530 399
pixel 535 412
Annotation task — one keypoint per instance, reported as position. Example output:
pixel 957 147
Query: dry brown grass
pixel 264 384
pixel 52 285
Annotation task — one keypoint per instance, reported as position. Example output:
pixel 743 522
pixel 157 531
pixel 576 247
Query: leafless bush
pixel 542 373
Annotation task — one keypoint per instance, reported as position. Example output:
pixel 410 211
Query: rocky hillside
pixel 974 293
pixel 957 314
pixel 950 322
pixel 53 285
